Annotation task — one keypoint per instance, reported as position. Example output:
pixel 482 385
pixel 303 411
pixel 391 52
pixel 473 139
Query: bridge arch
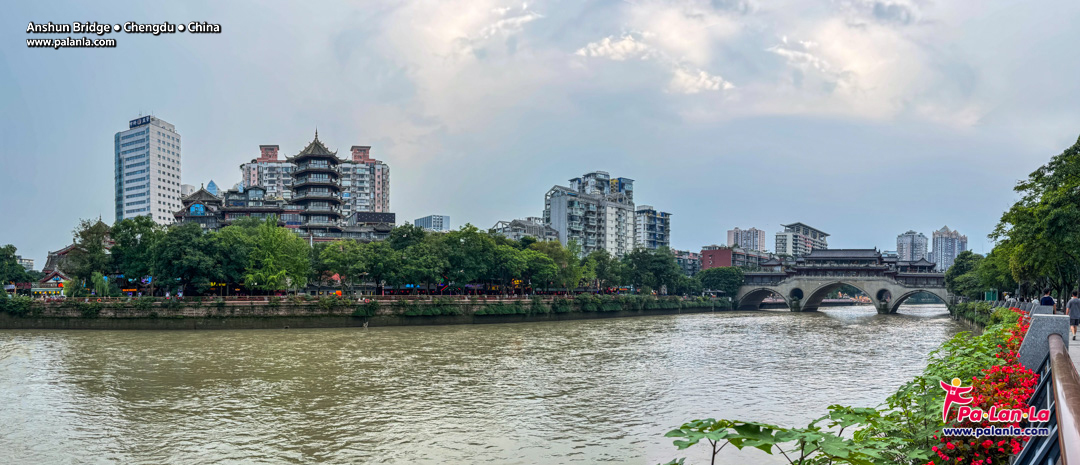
pixel 751 299
pixel 813 300
pixel 941 294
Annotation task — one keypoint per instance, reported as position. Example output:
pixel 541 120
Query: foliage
pixel 17 305
pixel 134 244
pixel 10 269
pixel 278 260
pixel 726 279
pixel 961 277
pixel 183 256
pixel 1042 229
pixel 90 252
pixel 906 429
pixel 655 269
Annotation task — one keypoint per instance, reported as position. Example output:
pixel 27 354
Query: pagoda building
pixel 316 190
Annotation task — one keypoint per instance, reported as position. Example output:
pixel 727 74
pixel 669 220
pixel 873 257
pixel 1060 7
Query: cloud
pixel 687 81
pixel 618 50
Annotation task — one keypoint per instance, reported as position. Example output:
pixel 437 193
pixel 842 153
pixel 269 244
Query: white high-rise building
pixel 147 170
pixel 596 211
pixel 911 246
pixel 750 239
pixel 947 245
pixel 798 239
pixel 652 228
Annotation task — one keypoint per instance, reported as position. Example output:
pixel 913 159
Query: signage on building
pixel 138 122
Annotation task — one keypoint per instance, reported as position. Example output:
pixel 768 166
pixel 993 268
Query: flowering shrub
pixel 1006 386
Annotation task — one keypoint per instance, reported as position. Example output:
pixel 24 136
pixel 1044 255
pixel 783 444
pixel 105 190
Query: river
pixel 590 391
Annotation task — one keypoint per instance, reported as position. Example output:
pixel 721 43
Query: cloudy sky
pixel 864 118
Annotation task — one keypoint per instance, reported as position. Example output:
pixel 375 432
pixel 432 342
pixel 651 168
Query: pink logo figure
pixel 954 394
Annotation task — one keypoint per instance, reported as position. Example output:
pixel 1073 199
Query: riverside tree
pixel 1043 227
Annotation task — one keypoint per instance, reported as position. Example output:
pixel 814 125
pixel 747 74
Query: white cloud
pixel 685 81
pixel 618 50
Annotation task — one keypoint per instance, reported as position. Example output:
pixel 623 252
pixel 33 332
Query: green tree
pixel 425 262
pixel 539 268
pixel 652 268
pixel 405 236
pixel 509 264
pixel 568 267
pixel 726 279
pixel 383 264
pixel 232 246
pixel 347 260
pixel 134 243
pixel 279 259
pixel 960 278
pixel 183 256
pixel 1043 227
pixel 10 269
pixel 91 251
pixel 470 254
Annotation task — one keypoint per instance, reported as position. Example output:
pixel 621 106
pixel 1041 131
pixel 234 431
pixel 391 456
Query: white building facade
pixel 798 239
pixel 947 245
pixel 912 246
pixel 749 239
pixel 147 170
pixel 433 222
pixel 596 211
pixel 652 228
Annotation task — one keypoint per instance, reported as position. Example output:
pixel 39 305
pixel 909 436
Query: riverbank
pixel 191 314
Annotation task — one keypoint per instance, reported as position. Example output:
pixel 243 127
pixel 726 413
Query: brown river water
pixel 589 391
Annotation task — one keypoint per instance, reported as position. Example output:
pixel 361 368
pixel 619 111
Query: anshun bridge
pixel 803 283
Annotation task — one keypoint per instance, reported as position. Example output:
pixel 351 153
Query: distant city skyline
pixel 725 114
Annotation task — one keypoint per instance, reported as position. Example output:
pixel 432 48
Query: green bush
pixel 18 306
pixel 143 304
pixel 587 303
pixel 367 309
pixel 561 305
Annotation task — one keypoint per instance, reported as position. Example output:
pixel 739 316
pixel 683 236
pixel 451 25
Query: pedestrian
pixel 1047 300
pixel 1073 310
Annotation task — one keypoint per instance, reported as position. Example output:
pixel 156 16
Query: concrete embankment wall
pixel 204 320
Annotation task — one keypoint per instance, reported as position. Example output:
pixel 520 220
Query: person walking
pixel 1073 310
pixel 1047 300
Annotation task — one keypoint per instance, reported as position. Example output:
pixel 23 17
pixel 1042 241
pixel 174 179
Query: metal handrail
pixel 1058 390
pixel 1066 399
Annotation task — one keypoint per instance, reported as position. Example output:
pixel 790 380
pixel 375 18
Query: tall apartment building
pixel 269 172
pixel 147 170
pixel 798 239
pixel 749 239
pixel 652 228
pixel 434 222
pixel 364 181
pixel 26 263
pixel 690 262
pixel 596 211
pixel 911 246
pixel 947 245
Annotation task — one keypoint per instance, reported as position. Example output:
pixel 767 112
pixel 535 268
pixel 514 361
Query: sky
pixel 863 118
